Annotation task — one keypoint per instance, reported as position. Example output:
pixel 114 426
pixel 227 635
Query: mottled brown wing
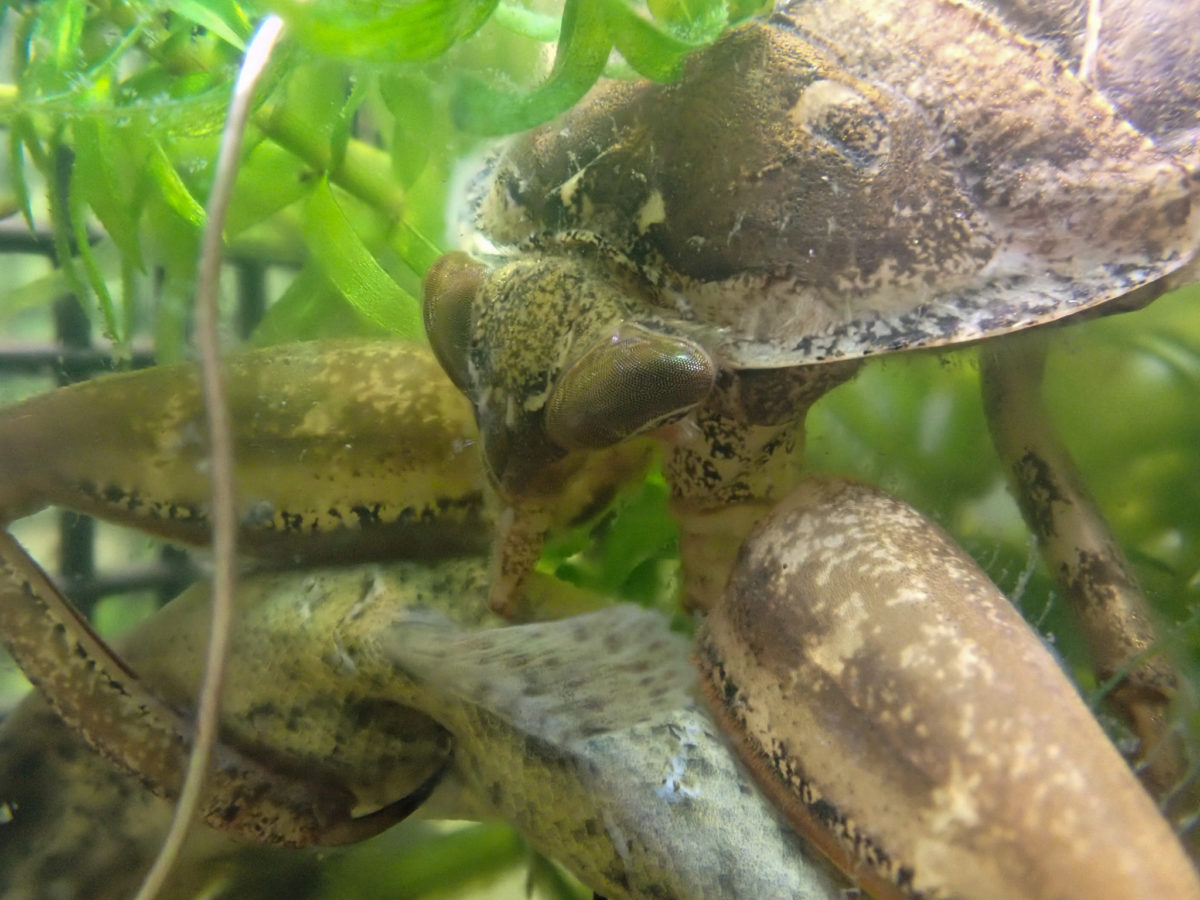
pixel 860 176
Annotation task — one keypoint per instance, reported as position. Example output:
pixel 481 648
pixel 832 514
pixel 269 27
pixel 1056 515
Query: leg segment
pixel 1096 581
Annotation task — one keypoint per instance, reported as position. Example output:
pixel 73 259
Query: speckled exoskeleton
pixel 695 265
pixel 353 692
pixel 698 262
pixel 841 181
pixel 372 677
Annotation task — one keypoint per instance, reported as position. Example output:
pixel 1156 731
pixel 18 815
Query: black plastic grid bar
pixel 73 357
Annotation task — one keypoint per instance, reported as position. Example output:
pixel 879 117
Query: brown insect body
pixel 843 180
pixel 896 705
pixel 855 177
pixel 848 180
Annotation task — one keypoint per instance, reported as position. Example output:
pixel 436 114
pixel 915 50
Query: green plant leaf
pixel 269 180
pixel 67 32
pixel 222 17
pixel 408 98
pixel 695 20
pixel 40 291
pixel 526 22
pixel 44 290
pixel 583 49
pixel 343 122
pixel 311 308
pixel 430 865
pixel 384 31
pixel 653 51
pixel 20 131
pixel 352 268
pixel 96 176
pixel 64 210
pixel 54 57
pixel 618 555
pixel 171 187
pixel 95 278
pixel 740 10
pixel 314 106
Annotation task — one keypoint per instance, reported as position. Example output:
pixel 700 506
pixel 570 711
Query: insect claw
pixel 520 535
pixel 353 830
pixel 98 695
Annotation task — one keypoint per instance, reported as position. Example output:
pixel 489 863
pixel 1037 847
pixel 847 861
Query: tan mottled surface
pixel 344 449
pixel 583 733
pixel 889 695
pixel 863 176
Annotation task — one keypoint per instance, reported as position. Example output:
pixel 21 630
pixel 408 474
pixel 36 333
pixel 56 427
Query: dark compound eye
pixel 626 387
pixel 449 294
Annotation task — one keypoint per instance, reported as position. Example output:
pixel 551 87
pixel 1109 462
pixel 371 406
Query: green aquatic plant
pixel 114 110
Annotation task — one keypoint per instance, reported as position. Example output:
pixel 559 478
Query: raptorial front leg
pixel 584 733
pixel 348 449
pixel 345 450
pixel 122 718
pixel 894 703
pixel 303 691
pixel 1083 556
pixel 60 801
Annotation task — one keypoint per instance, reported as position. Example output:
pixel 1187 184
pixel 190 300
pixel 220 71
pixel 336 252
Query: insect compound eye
pixel 627 386
pixel 449 294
